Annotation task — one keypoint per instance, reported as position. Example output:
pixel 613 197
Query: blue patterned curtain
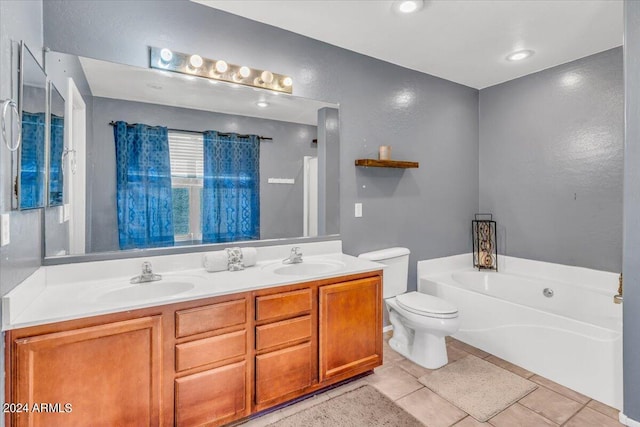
pixel 55 162
pixel 145 217
pixel 32 164
pixel 231 190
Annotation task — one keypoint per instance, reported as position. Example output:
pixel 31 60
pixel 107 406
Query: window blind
pixel 185 151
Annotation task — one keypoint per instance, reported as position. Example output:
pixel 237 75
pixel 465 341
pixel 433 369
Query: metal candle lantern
pixel 485 250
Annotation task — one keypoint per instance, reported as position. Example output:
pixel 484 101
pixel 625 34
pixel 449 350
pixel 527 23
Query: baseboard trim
pixel 627 421
pixel 387 328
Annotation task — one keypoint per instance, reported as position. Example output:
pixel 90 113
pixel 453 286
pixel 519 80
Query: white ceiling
pixel 118 81
pixel 465 41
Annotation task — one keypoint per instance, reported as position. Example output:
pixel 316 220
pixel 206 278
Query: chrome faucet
pixel 295 257
pixel 147 274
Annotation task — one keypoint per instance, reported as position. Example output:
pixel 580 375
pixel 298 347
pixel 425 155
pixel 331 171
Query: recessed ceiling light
pixel 262 104
pixel 519 55
pixel 408 6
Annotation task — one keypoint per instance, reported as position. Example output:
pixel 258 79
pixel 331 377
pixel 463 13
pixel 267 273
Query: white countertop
pixel 73 291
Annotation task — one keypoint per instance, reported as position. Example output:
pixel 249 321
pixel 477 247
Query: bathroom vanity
pixel 204 361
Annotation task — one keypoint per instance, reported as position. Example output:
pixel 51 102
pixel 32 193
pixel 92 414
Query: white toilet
pixel 420 321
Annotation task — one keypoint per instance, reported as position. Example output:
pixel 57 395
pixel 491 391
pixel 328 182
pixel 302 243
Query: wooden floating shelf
pixel 387 163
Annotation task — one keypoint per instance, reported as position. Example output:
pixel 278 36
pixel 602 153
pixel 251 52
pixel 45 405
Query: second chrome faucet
pixel 147 274
pixel 295 257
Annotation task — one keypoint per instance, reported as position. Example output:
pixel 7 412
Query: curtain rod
pixel 262 138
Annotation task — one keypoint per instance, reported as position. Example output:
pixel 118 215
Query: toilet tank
pixel 396 273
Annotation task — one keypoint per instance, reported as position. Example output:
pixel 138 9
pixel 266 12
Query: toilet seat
pixel 427 305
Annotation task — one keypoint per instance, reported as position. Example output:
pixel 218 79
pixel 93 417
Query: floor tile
pixel 413 368
pixel 604 409
pixel 454 353
pixel 430 409
pixel 551 405
pixel 567 392
pixel 587 417
pixel 471 422
pixel 509 366
pixel 393 382
pixel 518 416
pixel 390 356
pixel 469 349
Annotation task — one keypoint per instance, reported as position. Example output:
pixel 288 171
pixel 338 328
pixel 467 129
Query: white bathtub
pixel 573 338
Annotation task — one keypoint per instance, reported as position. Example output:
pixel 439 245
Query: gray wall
pixel 280 205
pixel 424 118
pixel 631 243
pixel 19 20
pixel 551 155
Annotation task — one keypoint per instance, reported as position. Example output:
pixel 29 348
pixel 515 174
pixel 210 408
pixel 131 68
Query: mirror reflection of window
pixel 186 183
pixel 33 104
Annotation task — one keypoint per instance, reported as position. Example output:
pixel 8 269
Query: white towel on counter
pixel 215 261
pixel 249 256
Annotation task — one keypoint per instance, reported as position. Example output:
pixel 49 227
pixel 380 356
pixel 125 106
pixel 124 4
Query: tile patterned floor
pixel 549 405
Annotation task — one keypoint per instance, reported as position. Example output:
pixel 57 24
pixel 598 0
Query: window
pixel 186 182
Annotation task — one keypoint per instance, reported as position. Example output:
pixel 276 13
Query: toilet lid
pixel 425 304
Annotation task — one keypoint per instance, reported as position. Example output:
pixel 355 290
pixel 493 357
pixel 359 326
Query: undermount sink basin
pixel 146 291
pixel 306 268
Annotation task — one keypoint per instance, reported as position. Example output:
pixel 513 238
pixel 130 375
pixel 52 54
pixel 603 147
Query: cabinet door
pixel 212 397
pixel 110 375
pixel 282 372
pixel 350 327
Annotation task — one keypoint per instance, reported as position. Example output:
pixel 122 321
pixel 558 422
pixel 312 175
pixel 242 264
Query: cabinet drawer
pixel 210 317
pixel 210 350
pixel 281 372
pixel 214 395
pixel 283 304
pixel 283 332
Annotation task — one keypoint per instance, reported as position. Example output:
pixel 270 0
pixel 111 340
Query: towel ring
pixel 14 109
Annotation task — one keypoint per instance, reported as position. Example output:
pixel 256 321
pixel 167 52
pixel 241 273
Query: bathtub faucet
pixel 617 299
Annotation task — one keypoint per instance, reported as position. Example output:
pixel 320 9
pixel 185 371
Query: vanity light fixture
pixel 166 55
pixel 244 72
pixel 196 61
pixel 408 6
pixel 519 55
pixel 221 67
pixel 218 70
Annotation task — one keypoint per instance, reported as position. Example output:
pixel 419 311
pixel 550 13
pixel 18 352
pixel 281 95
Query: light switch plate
pixel 5 229
pixel 358 210
pixel 66 211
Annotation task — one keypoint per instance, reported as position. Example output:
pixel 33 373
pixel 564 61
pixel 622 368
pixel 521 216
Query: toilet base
pixel 428 351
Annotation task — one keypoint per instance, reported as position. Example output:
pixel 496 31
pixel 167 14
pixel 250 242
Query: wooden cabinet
pixel 212 397
pixel 350 327
pixel 196 363
pixel 213 381
pixel 110 374
pixel 286 344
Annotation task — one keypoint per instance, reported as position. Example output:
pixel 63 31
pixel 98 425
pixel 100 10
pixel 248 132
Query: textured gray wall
pixel 551 155
pixel 631 243
pixel 280 205
pixel 424 118
pixel 18 21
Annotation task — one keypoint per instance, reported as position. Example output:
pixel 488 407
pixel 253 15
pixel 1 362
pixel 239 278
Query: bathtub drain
pixel 547 292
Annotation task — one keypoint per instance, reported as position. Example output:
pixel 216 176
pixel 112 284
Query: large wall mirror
pixel 174 160
pixel 30 170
